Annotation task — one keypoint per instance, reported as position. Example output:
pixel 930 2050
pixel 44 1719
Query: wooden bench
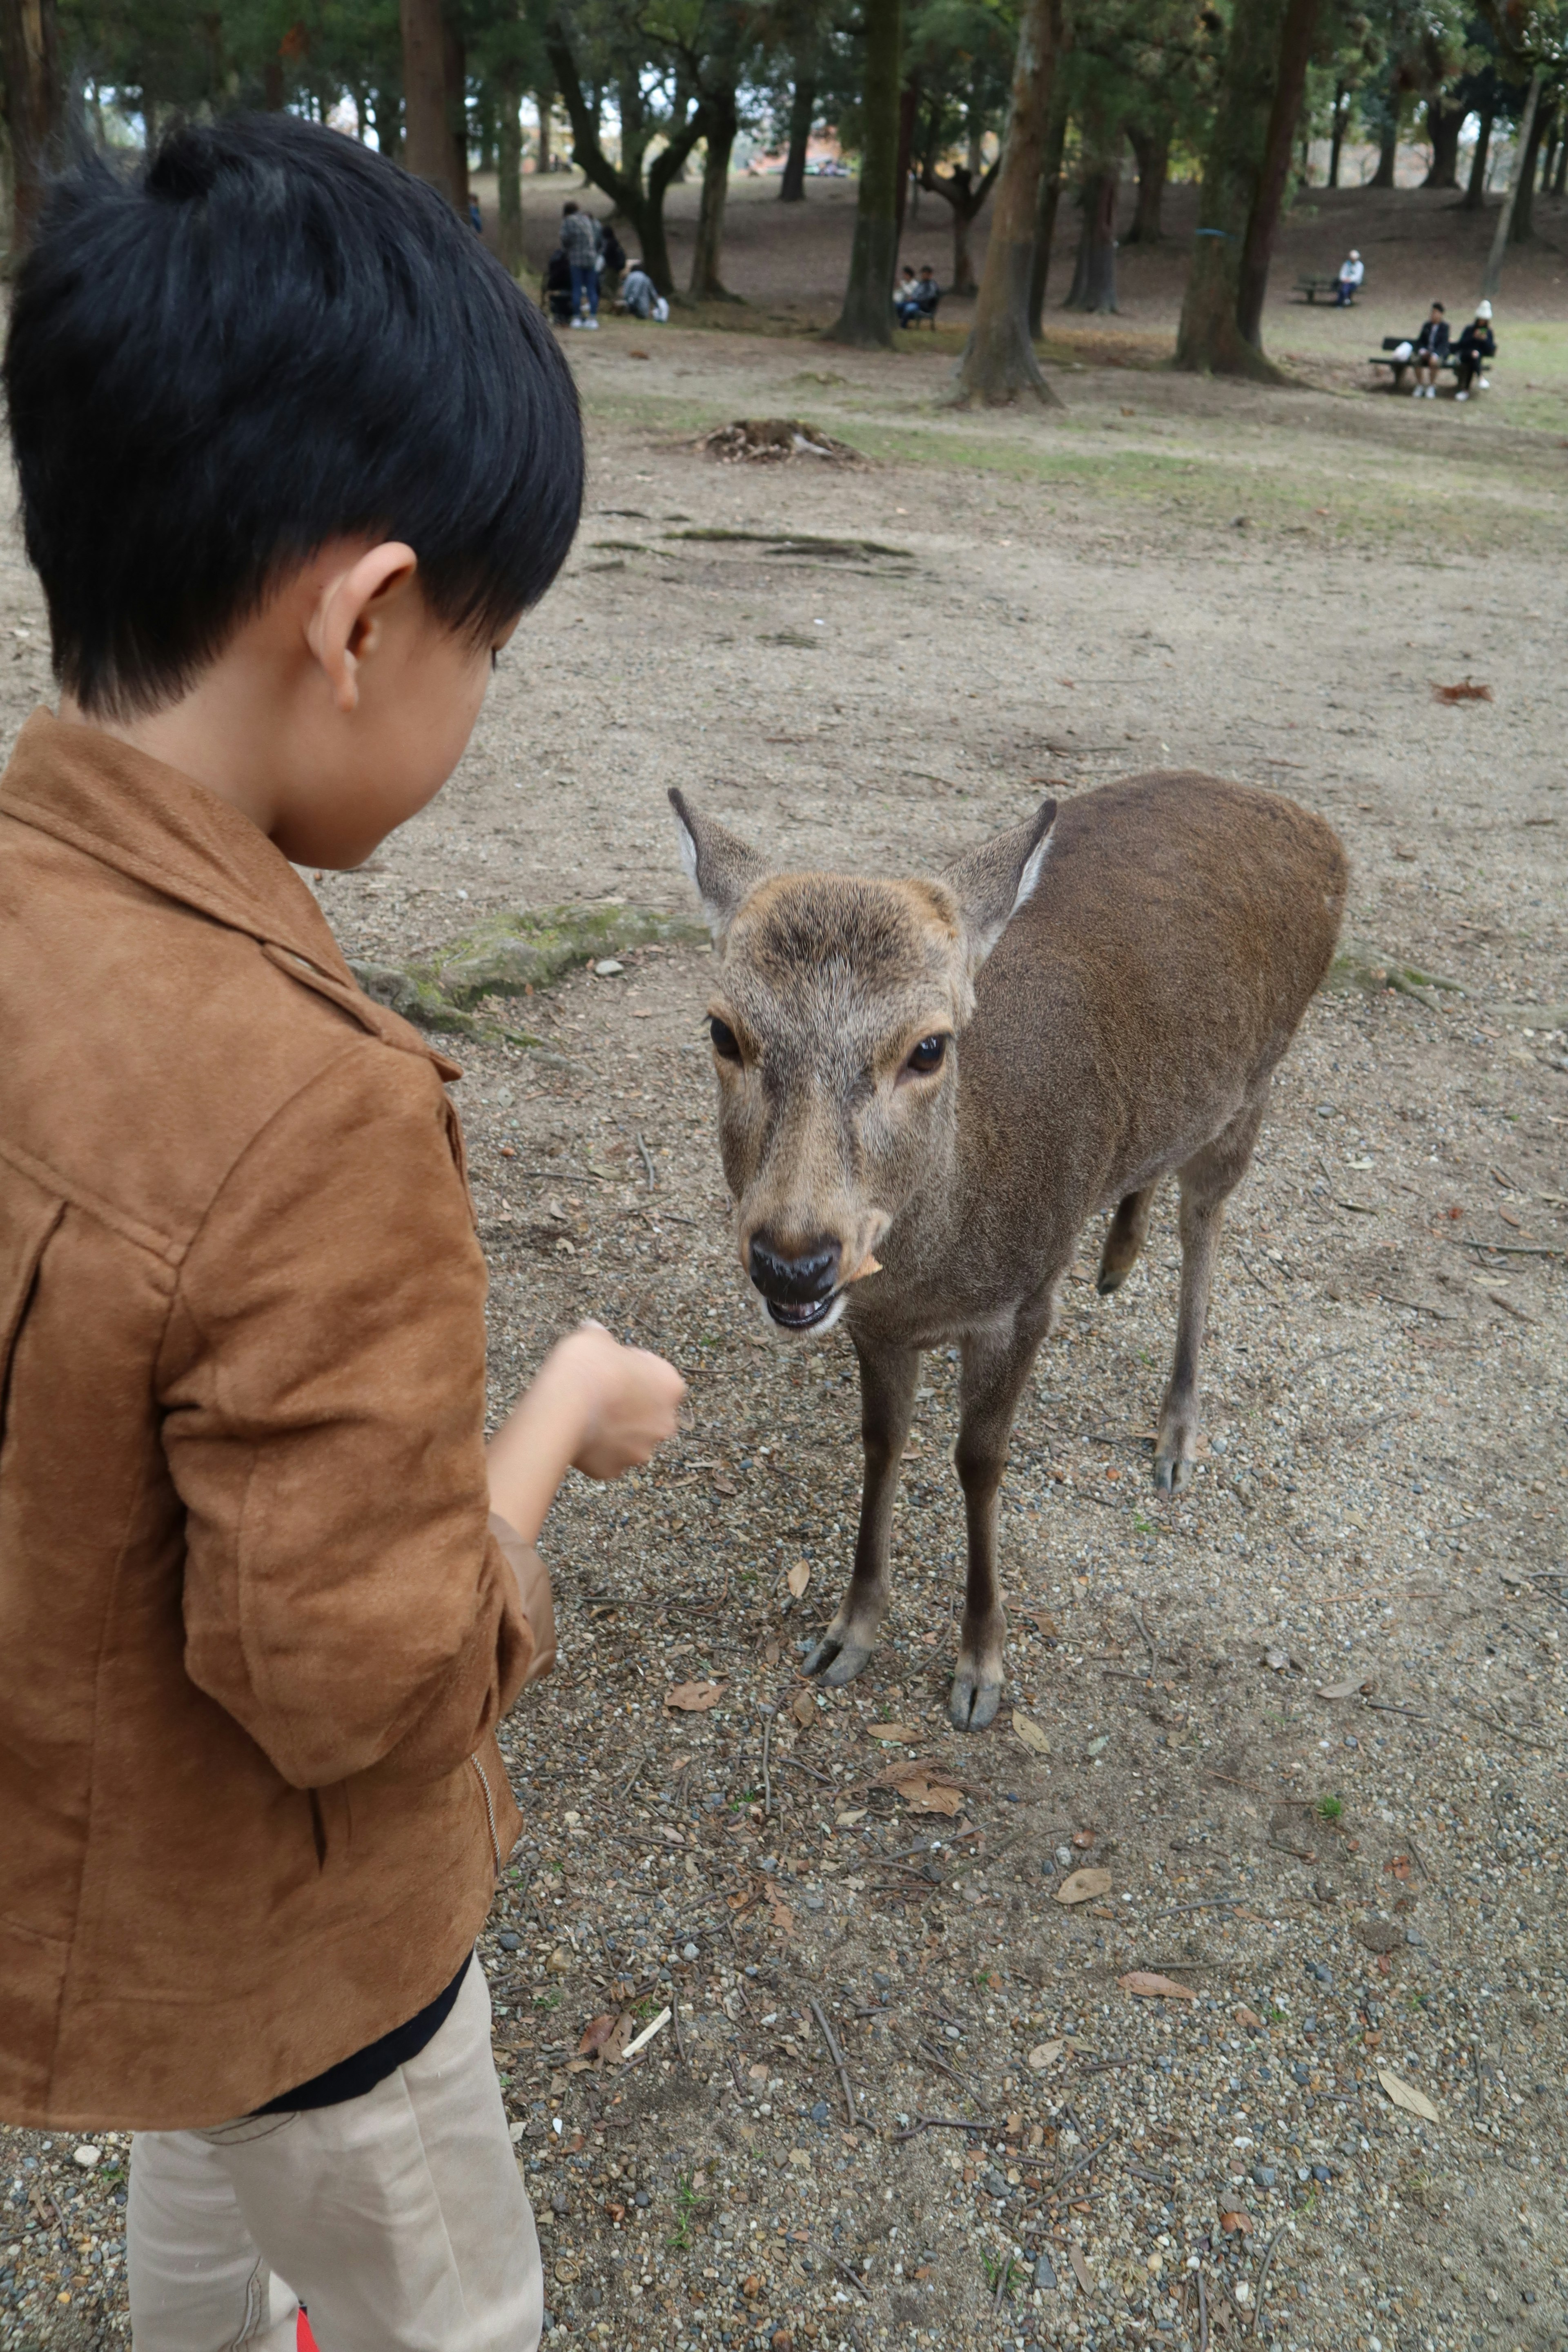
pixel 1399 369
pixel 1312 287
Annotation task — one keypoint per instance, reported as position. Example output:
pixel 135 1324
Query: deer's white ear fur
pixel 723 868
pixel 993 881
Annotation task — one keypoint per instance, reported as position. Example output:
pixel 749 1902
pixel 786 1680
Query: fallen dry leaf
pixel 1348 1688
pixel 694 1698
pixel 1249 2019
pixel 1400 1865
pixel 906 1769
pixel 1083 1887
pixel 902 1734
pixel 758 2073
pixel 1080 2269
pixel 1083 1838
pixel 803 1707
pixel 1146 1985
pixel 597 2033
pixel 1466 691
pixel 1030 1734
pixel 799 1577
pixel 783 1917
pixel 1414 2102
pixel 1043 2054
pixel 932 1796
pixel 1239 2224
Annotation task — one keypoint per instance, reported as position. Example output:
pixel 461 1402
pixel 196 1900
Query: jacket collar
pixel 164 830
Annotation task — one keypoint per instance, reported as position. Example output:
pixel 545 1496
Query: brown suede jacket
pixel 254 1633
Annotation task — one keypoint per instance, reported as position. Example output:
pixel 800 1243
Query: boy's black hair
pixel 268 338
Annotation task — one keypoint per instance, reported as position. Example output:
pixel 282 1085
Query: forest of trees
pixel 1030 104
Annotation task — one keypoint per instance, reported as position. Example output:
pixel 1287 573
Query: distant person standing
pixel 1477 344
pixel 1431 352
pixel 1352 278
pixel 612 259
pixel 580 243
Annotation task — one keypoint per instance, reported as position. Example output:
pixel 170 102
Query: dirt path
pixel 1345 1884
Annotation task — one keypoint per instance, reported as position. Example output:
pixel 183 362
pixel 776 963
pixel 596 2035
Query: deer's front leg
pixel 995 1369
pixel 888 1377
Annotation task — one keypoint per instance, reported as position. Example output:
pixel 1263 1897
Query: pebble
pixel 508 1941
pixel 1264 2175
pixel 87 2156
pixel 1045 2277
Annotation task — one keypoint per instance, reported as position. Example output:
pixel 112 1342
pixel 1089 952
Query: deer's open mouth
pixel 805 1316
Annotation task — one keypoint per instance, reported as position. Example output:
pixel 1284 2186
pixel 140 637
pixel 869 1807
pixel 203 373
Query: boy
pixel 295 454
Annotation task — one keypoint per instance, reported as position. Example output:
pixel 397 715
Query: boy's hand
pixel 594 1406
pixel 632 1396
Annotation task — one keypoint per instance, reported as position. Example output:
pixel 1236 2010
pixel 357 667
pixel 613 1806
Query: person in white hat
pixel 1352 271
pixel 1477 344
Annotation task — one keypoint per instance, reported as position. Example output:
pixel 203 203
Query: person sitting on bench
pixel 1477 344
pixel 920 298
pixel 1431 352
pixel 1348 284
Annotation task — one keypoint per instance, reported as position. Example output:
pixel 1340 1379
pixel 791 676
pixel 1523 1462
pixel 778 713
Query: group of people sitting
pixel 589 260
pixel 1429 350
pixel 915 298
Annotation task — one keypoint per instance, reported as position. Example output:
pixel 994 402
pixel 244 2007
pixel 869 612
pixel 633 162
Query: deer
pixel 927 1088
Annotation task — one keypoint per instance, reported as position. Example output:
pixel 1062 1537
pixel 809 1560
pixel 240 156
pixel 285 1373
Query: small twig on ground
pixel 1153 1653
pixel 1080 2164
pixel 856 2281
pixel 1231 1783
pixel 1297 1850
pixel 647 1163
pixel 1215 1903
pixel 767 1770
pixel 735 2075
pixel 836 2055
pixel 940 2062
pixel 1004 2273
pixel 940 2122
pixel 1203 2313
pixel 801 1766
pixel 675 2020
pixel 1263 2277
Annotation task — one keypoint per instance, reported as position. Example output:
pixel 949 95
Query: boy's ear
pixel 342 628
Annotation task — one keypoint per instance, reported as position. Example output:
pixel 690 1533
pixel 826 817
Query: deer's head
pixel 835 1012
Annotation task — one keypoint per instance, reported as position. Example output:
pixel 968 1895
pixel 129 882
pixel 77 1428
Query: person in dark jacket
pixel 1477 344
pixel 1431 349
pixel 612 261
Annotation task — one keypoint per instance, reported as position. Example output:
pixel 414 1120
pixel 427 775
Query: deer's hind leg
pixel 1124 1239
pixel 888 1377
pixel 1206 1180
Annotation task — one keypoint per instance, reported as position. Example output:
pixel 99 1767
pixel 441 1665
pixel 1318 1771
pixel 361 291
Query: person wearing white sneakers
pixel 1477 345
pixel 1431 352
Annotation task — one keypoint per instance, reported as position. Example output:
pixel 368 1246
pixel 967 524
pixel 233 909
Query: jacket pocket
pixel 28 1216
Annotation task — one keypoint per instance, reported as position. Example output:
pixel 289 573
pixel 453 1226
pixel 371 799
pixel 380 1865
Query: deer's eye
pixel 725 1043
pixel 927 1056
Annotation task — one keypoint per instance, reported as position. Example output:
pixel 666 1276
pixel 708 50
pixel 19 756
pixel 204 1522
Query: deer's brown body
pixel 944 1081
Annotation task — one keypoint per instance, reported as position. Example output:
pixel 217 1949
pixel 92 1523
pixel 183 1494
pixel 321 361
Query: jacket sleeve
pixel 322 1391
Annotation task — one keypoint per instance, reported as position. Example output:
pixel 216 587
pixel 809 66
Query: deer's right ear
pixel 724 868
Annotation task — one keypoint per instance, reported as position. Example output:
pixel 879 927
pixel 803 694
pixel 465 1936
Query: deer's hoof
pixel 835 1662
pixel 1109 1279
pixel 1172 1473
pixel 973 1703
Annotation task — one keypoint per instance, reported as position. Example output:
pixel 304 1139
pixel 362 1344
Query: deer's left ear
pixel 725 868
pixel 993 881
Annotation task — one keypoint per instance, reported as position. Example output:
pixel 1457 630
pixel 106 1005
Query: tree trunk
pixel 1522 228
pixel 1093 284
pixel 509 173
pixel 1296 40
pixel 909 108
pixel 1474 196
pixel 867 318
pixel 1491 276
pixel 544 106
pixel 1049 199
pixel 1342 116
pixel 1246 165
pixel 1549 158
pixel 1444 124
pixel 34 104
pixel 427 144
pixel 1152 149
pixel 456 64
pixel 964 198
pixel 802 115
pixel 1388 143
pixel 1561 175
pixel 722 116
pixel 999 361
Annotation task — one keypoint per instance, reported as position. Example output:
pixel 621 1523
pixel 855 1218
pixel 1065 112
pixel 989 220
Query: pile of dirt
pixel 776 440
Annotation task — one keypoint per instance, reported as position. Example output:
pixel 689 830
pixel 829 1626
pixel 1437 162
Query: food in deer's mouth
pixel 803 1318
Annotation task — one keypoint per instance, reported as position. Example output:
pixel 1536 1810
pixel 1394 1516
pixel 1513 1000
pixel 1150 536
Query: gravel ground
pixel 1337 1888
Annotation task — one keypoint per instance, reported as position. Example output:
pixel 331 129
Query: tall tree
pixel 721 121
pixel 998 363
pixel 636 188
pixel 1152 146
pixel 867 318
pixel 428 149
pixel 1246 166
pixel 802 115
pixel 34 98
pixel 1050 192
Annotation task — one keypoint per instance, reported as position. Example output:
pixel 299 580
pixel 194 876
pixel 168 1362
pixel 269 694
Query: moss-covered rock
pixel 508 953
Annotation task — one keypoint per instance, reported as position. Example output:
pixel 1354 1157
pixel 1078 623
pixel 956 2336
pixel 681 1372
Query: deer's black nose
pixel 800 1279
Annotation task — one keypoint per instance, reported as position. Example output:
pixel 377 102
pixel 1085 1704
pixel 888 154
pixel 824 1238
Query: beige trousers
pixel 398 2219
